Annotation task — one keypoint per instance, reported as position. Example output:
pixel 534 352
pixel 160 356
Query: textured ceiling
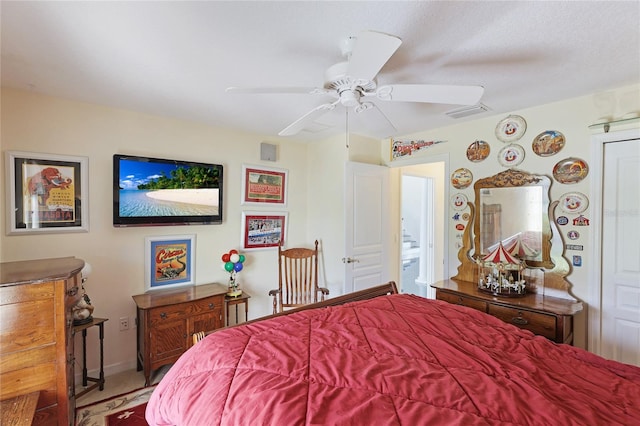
pixel 177 58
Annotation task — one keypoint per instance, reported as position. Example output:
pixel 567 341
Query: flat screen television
pixel 154 191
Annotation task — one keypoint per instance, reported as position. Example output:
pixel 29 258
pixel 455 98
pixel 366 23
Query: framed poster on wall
pixel 263 230
pixel 264 185
pixel 46 193
pixel 169 261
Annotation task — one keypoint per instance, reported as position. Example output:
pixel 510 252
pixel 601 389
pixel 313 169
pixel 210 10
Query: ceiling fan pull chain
pixel 346 126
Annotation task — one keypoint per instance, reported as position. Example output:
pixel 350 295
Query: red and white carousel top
pixel 500 255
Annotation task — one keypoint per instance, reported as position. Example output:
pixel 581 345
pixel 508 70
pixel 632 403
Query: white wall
pixel 325 199
pixel 325 166
pixel 43 124
pixel 571 117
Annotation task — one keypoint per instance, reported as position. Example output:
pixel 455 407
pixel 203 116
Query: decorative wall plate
pixel 511 155
pixel 459 201
pixel 478 151
pixel 548 143
pixel 461 178
pixel 574 202
pixel 573 235
pixel 511 128
pixel 570 170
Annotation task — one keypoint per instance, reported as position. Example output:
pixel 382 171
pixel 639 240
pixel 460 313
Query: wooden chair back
pixel 297 278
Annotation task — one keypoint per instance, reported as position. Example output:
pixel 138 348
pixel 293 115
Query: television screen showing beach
pixel 148 188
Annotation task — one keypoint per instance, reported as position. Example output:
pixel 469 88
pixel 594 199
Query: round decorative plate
pixel 478 151
pixel 511 128
pixel 574 202
pixel 459 201
pixel 548 143
pixel 570 170
pixel 461 178
pixel 511 155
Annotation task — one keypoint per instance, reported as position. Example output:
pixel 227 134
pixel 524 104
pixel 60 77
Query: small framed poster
pixel 169 261
pixel 263 230
pixel 264 185
pixel 46 193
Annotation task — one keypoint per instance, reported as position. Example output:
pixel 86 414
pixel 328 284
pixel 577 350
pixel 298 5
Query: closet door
pixel 621 252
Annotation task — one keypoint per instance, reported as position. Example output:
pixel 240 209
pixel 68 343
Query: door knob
pixel 349 260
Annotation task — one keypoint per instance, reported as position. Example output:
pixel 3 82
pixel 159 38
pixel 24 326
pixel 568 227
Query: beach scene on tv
pixel 168 189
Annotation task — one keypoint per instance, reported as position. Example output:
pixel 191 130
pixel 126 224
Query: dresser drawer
pixel 208 304
pixel 185 310
pixel 457 299
pixel 536 322
pixel 170 312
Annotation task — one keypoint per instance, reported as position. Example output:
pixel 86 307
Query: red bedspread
pixel 392 360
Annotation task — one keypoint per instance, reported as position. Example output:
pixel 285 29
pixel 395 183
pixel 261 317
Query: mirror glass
pixel 513 216
pixel 513 209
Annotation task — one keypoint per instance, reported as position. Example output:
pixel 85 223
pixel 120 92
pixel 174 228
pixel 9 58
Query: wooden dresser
pixel 551 317
pixel 36 342
pixel 167 320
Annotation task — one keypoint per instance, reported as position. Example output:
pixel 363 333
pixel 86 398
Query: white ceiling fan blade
pixel 432 93
pixel 283 90
pixel 308 118
pixel 370 52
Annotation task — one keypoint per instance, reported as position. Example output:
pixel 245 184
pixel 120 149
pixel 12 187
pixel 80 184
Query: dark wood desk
pixel 235 301
pixel 99 381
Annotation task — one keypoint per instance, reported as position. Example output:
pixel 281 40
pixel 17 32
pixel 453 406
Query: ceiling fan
pixel 352 81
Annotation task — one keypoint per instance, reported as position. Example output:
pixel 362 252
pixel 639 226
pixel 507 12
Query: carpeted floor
pixel 122 410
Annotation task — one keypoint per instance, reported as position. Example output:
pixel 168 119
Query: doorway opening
pixel 423 245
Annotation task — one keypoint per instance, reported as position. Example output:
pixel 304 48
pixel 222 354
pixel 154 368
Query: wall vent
pixel 468 110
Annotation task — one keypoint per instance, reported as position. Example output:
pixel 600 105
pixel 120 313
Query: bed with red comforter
pixel 392 360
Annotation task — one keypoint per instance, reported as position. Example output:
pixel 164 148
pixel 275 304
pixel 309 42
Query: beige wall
pixel 43 124
pixel 571 117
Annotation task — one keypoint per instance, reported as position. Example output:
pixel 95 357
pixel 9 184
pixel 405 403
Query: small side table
pixel 231 301
pixel 99 381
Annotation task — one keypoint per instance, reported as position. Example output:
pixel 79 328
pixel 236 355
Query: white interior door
pixel 620 338
pixel 367 227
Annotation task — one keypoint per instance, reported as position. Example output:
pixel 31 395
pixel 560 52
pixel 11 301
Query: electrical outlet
pixel 124 323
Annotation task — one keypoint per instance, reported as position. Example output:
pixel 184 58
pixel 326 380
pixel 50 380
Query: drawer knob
pixel 72 291
pixel 163 315
pixel 519 321
pixel 211 305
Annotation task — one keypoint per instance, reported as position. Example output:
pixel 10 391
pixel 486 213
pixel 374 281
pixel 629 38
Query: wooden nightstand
pixel 235 301
pixel 168 319
pixel 98 381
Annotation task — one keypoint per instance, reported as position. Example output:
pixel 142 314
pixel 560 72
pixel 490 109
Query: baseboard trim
pixel 109 370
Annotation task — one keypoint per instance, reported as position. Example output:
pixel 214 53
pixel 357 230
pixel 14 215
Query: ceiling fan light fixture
pixel 350 98
pixel 467 111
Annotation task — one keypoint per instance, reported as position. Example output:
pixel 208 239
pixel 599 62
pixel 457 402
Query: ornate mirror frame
pixel 551 264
